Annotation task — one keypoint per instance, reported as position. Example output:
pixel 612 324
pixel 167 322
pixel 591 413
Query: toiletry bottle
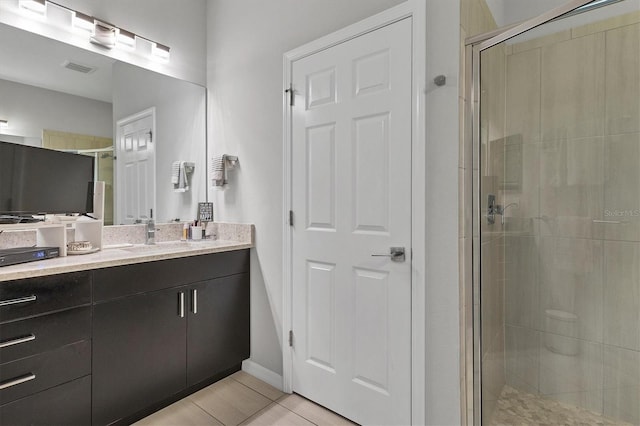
pixel 185 231
pixel 151 229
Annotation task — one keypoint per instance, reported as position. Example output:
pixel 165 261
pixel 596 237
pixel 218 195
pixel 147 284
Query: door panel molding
pixel 416 9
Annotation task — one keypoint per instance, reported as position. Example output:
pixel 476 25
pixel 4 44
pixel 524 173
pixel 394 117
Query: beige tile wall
pixel 574 97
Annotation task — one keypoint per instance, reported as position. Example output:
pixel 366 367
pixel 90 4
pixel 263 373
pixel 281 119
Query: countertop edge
pixel 49 267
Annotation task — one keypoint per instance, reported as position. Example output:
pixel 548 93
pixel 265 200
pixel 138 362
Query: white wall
pixel 442 284
pixel 180 132
pixel 245 43
pixel 176 23
pixel 31 109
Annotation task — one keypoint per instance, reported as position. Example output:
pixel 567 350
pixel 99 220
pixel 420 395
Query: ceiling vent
pixel 74 66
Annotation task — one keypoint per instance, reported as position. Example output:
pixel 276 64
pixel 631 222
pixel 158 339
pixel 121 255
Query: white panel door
pixel 351 192
pixel 135 167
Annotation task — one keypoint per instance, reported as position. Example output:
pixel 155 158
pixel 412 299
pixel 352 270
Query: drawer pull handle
pixel 17 341
pixel 17 381
pixel 16 301
pixel 181 304
pixel 195 301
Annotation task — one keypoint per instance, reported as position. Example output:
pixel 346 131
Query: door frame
pixel 416 10
pixel 119 125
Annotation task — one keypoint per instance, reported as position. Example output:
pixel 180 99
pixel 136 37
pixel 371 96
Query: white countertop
pixel 119 256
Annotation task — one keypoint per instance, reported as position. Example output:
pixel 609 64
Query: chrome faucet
pixel 151 230
pixel 493 209
pixel 504 209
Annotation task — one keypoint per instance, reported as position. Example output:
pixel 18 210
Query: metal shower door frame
pixel 474 46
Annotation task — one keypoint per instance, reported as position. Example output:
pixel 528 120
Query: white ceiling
pixel 35 60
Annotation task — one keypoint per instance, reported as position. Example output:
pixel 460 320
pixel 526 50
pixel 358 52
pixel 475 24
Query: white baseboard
pixel 262 373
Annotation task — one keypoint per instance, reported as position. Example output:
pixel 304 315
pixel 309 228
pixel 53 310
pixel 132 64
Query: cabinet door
pixel 139 353
pixel 218 330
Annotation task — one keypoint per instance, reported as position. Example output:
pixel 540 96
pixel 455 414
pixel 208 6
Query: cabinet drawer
pixel 20 339
pixel 111 283
pixel 39 372
pixel 33 296
pixel 68 404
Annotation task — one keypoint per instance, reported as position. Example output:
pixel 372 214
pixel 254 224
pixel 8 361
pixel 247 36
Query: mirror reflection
pixel 135 123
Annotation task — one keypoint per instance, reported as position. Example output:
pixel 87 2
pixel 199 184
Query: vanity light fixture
pixel 161 51
pixel 36 6
pixel 101 33
pixel 83 22
pixel 104 35
pixel 125 38
pixel 4 124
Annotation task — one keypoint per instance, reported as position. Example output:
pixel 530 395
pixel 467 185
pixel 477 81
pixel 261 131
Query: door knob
pixel 395 253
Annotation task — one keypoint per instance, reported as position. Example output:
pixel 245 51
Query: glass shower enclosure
pixel 556 182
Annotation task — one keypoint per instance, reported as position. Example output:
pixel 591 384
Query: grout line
pixel 255 390
pixel 256 415
pixel 203 409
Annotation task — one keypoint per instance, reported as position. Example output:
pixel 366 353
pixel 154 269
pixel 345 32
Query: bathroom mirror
pixel 59 96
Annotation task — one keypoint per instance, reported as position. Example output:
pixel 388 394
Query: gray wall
pixel 32 109
pixel 245 43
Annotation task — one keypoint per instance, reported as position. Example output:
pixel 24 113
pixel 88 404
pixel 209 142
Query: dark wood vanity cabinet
pixel 45 350
pixel 110 345
pixel 160 328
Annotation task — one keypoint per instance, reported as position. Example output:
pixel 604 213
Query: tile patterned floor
pixel 241 399
pixel 516 408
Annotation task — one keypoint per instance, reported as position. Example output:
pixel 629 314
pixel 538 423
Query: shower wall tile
pixel 623 80
pixel 493 90
pixel 492 291
pixel 523 95
pixel 521 283
pixel 574 379
pixel 535 43
pixel 622 187
pixel 524 167
pixel 572 187
pixel 493 365
pixel 522 358
pixel 606 24
pixel 622 384
pixel 573 88
pixel 622 294
pixel 479 19
pixel 571 282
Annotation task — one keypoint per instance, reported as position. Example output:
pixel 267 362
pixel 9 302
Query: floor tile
pixel 258 385
pixel 230 401
pixel 311 411
pixel 183 413
pixel 276 414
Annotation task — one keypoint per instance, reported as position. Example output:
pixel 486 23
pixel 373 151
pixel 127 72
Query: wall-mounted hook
pixel 440 80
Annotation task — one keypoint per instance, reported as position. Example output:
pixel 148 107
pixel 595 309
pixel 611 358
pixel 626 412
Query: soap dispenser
pixel 151 229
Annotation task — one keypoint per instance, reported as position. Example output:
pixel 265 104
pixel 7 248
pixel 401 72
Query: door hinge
pixel 290 338
pixel 292 94
pixel 290 217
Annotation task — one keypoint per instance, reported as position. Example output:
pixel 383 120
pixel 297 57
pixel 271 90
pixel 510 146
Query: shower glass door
pixel 559 225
